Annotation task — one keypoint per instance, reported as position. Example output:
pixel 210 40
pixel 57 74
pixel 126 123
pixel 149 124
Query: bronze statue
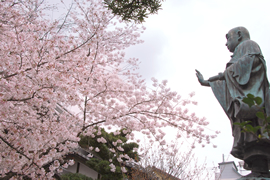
pixel 245 74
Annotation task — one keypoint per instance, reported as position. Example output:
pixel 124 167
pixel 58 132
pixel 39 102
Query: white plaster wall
pixel 72 168
pixel 88 171
pixel 227 171
pixel 85 170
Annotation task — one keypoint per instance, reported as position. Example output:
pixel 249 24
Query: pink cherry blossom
pixel 120 148
pixel 113 168
pixel 123 169
pixel 61 77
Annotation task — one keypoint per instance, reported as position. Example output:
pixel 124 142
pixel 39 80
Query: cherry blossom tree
pixel 171 161
pixel 74 62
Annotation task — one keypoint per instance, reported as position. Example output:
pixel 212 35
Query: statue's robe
pixel 245 74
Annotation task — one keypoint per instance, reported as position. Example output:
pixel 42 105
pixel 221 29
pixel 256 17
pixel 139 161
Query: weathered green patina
pixel 245 74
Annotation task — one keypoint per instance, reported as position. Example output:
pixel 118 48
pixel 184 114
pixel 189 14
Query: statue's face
pixel 232 40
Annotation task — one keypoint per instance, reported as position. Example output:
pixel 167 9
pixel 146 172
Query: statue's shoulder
pixel 249 43
pixel 249 47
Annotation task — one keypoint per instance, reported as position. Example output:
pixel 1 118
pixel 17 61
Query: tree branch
pixel 76 47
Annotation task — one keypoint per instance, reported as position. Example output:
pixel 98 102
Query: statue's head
pixel 235 36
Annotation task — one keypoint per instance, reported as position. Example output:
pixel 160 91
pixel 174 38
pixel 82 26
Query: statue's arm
pixel 201 79
pixel 220 76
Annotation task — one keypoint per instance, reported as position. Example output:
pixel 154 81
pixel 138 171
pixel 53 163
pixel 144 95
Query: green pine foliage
pixel 136 10
pixel 246 126
pixel 100 162
pixel 75 176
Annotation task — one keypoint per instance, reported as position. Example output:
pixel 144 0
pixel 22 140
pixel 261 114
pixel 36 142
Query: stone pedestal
pixel 253 178
pixel 257 159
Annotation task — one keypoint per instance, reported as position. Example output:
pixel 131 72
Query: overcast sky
pixel 190 34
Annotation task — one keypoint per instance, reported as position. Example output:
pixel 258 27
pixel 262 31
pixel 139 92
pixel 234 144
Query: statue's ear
pixel 239 34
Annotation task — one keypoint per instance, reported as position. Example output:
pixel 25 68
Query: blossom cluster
pixel 49 67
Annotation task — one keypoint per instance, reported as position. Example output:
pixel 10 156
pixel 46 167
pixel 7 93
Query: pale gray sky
pixel 190 34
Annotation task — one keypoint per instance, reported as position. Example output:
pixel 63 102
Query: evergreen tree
pixel 75 176
pixel 109 164
pixel 136 10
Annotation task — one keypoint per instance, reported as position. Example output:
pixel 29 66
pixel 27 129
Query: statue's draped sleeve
pixel 245 73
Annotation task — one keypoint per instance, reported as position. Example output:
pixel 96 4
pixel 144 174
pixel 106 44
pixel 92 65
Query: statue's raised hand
pixel 201 79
